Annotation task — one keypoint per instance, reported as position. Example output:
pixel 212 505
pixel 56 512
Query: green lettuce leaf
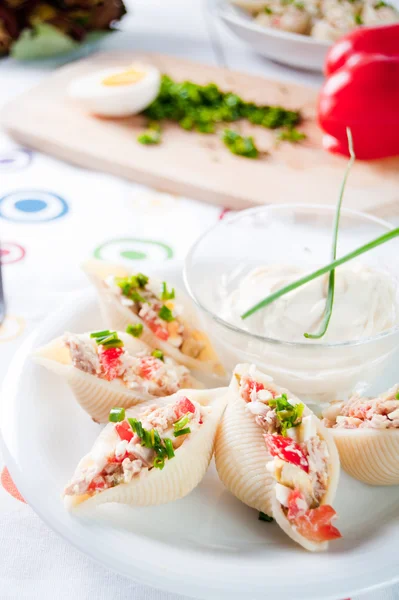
pixel 45 40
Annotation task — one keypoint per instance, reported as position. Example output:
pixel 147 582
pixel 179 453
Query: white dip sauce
pixel 365 304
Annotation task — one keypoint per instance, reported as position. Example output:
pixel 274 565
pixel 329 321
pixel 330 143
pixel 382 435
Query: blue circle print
pixel 14 159
pixel 32 206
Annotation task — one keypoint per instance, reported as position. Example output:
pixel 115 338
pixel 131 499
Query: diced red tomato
pixel 248 388
pixel 124 430
pixel 184 406
pixel 98 483
pixel 156 327
pixel 287 449
pixel 110 362
pixel 315 524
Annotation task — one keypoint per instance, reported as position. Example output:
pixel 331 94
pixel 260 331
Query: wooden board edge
pixel 156 182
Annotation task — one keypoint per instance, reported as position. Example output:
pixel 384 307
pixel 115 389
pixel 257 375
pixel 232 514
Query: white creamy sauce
pixel 365 303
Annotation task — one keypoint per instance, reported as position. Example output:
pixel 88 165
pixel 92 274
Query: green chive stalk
pixel 331 281
pixel 382 239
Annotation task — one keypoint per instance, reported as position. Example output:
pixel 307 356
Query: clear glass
pixel 299 235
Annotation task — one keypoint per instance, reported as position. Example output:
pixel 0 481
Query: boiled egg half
pixel 117 91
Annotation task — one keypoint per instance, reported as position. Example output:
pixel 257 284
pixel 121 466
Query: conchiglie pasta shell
pixel 95 395
pixel 180 474
pixel 369 455
pixel 241 457
pixel 118 317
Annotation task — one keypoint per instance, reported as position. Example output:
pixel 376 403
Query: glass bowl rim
pixel 269 340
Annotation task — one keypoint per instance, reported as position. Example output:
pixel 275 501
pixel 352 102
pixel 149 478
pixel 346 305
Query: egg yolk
pixel 125 78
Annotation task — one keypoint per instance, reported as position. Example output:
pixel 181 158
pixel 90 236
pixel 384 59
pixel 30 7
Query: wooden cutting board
pixel 198 165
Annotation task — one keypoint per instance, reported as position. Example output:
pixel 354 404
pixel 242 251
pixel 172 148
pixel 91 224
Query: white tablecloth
pixel 52 216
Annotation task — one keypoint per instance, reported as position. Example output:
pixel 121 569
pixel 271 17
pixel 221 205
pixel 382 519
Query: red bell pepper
pixel 362 92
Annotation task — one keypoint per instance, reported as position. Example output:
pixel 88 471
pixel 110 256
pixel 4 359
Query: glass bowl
pixel 298 235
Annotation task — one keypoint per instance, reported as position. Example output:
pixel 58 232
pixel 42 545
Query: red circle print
pixel 10 253
pixel 10 486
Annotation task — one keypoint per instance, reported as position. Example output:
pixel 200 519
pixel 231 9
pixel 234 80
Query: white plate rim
pixel 227 11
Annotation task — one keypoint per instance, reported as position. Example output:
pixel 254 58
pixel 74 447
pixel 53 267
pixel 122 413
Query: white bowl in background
pixel 293 49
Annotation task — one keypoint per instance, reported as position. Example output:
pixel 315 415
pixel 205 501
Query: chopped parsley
pixel 142 280
pixel 289 415
pixel 237 144
pixel 268 10
pixel 152 135
pixel 397 396
pixel 135 330
pixel 166 295
pixel 291 135
pixel 107 338
pixel 264 517
pixel 158 354
pixel 358 19
pixel 166 314
pixel 204 107
pixel 382 4
pixel 116 414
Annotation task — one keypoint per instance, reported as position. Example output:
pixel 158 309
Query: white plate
pixel 207 545
pixel 301 51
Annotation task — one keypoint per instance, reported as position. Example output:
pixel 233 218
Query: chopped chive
pixel 107 338
pixel 181 423
pixel 112 344
pixel 145 437
pixel 169 448
pixel 136 426
pixel 135 330
pixel 116 414
pixel 160 451
pixel 264 517
pixel 166 295
pixel 182 432
pixel 166 314
pixel 136 297
pixel 331 281
pixel 152 439
pixel 158 354
pixel 100 334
